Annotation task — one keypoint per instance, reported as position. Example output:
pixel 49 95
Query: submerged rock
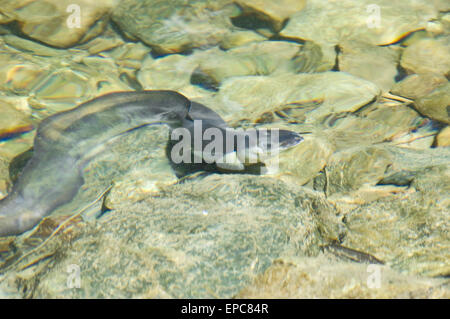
pixel 60 79
pixel 108 40
pixel 170 72
pixel 436 104
pixel 173 72
pixel 408 231
pixel 16 131
pixel 12 122
pixel 274 13
pixel 386 122
pixel 175 26
pixel 32 47
pixel 261 58
pixel 143 173
pixel 240 38
pixel 332 92
pixel 384 22
pixel 345 131
pixel 55 22
pixel 442 5
pixel 302 163
pixel 67 87
pixel 63 85
pixel 370 62
pixel 415 86
pixel 443 138
pixel 367 160
pixel 407 226
pixel 428 56
pixel 351 169
pixel 197 239
pixel 129 55
pixel 20 75
pixel 4 178
pixel 325 277
pixel 313 58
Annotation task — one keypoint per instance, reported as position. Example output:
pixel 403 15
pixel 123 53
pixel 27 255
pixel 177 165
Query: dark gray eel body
pixel 65 142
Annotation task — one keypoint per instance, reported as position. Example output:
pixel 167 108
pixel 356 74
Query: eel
pixel 65 142
pixel 242 155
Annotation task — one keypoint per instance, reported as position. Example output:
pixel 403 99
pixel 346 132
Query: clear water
pixel 357 209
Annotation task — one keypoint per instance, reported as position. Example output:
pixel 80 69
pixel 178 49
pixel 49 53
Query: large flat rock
pixel 375 22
